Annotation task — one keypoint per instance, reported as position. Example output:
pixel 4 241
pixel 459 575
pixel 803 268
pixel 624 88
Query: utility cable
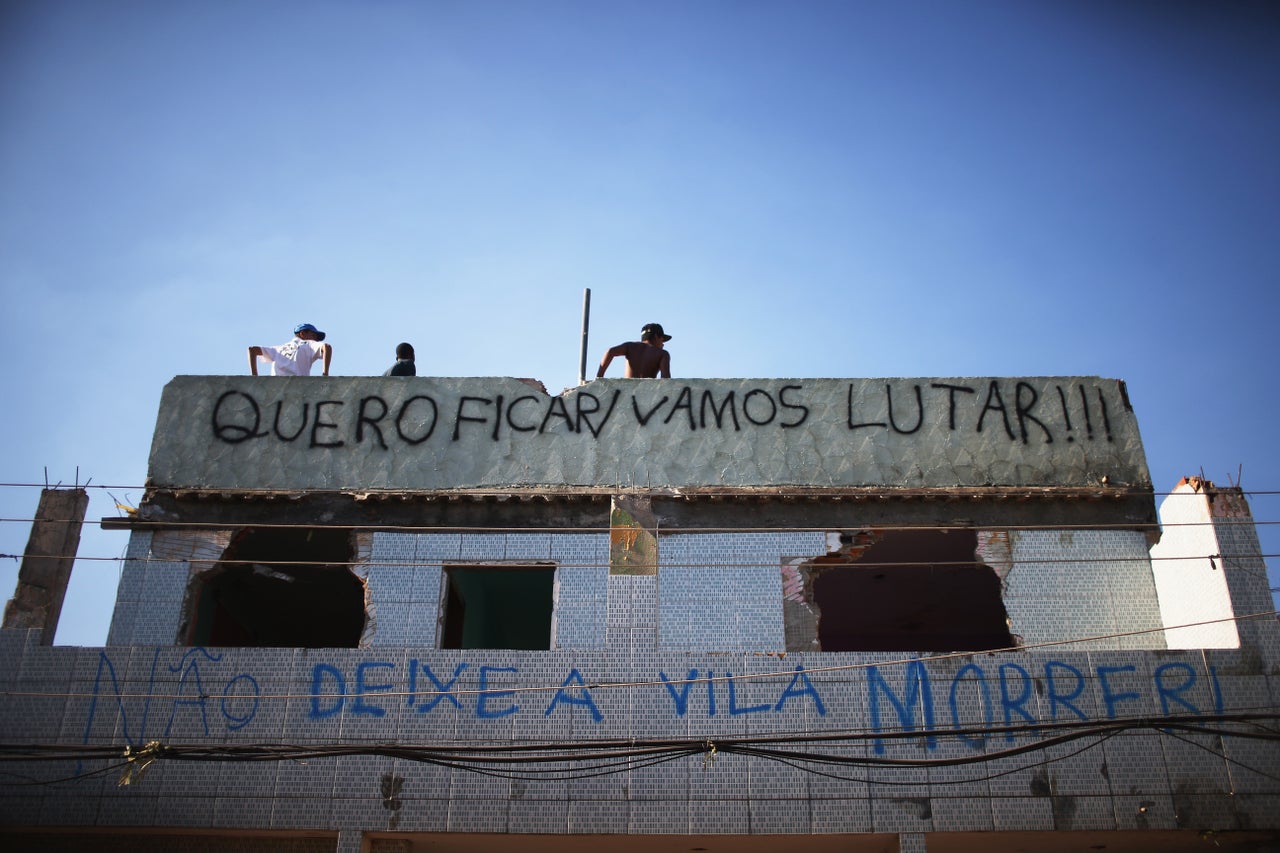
pixel 751 676
pixel 818 560
pixel 904 490
pixel 547 762
pixel 364 526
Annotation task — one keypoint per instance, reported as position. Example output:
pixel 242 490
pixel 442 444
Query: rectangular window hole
pixel 497 607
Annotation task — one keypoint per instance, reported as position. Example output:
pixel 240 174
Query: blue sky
pixel 794 189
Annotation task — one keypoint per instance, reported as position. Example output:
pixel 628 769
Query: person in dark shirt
pixel 404 362
pixel 646 358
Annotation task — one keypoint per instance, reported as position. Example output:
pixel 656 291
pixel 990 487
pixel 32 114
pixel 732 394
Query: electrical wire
pixel 573 761
pixel 666 564
pixel 151 524
pixel 608 685
pixel 904 490
pixel 633 759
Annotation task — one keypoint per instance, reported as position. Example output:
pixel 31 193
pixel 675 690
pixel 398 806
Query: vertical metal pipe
pixel 586 324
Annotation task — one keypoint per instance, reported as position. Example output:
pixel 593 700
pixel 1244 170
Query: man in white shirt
pixel 296 357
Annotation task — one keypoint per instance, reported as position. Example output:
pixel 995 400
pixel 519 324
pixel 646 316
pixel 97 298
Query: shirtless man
pixel 646 358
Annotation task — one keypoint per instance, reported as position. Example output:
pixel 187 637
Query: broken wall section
pixel 758 592
pixel 968 590
pixel 895 590
pixel 246 587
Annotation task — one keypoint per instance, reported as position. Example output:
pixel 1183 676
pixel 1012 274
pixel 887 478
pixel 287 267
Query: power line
pixel 568 760
pixel 703 491
pixel 144 525
pixel 755 676
pixel 852 563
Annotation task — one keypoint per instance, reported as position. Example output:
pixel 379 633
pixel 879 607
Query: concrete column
pixel 1240 554
pixel 46 564
pixel 911 842
pixel 1208 567
pixel 351 841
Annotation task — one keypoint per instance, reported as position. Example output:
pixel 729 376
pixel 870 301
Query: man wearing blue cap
pixel 296 357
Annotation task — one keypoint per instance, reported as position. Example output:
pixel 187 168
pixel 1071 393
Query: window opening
pixel 497 607
pixel 908 590
pixel 280 587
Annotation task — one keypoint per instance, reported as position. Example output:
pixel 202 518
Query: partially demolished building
pixel 401 614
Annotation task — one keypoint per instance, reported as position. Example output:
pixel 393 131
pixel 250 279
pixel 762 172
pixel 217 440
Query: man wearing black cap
pixel 646 358
pixel 296 357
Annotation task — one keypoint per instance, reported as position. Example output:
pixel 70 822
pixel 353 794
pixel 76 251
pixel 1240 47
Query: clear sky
pixel 794 189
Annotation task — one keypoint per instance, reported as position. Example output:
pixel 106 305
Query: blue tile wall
pixel 1082 584
pixel 713 608
pixel 723 592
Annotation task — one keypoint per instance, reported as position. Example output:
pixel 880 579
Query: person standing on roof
pixel 296 357
pixel 646 358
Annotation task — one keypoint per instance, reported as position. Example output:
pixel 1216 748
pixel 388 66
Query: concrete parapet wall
pixel 424 433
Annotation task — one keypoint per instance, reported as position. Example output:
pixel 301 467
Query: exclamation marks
pixel 1066 412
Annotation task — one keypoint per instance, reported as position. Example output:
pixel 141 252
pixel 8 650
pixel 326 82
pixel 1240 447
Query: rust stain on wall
pixel 633 540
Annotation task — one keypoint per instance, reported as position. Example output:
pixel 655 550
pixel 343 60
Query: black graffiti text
pixel 1021 413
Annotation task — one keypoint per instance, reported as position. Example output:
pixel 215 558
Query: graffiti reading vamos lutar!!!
pixel 199 692
pixel 1015 409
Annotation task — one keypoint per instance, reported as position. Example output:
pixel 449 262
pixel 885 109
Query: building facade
pixel 460 614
